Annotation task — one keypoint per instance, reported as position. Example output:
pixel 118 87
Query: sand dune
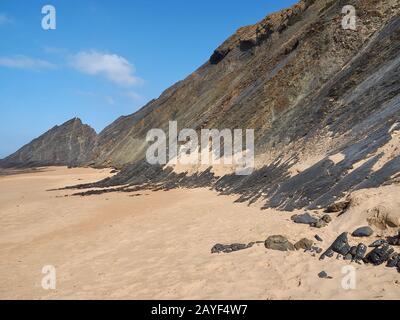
pixel 156 245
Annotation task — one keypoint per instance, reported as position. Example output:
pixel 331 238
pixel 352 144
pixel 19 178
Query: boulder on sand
pixel 304 243
pixel 363 232
pixel 279 243
pixel 305 218
pixel 340 246
pixel 379 255
pixel 360 253
pixel 378 243
pixel 393 261
pixel 324 275
pixel 394 241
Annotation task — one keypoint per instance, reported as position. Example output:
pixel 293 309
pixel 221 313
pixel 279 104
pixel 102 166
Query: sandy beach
pixel 157 245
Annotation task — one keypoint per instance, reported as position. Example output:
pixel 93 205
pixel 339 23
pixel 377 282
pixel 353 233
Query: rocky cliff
pixel 273 77
pixel 68 144
pixel 323 100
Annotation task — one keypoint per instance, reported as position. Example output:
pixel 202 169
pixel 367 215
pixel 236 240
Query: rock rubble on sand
pixel 314 222
pixel 382 251
pixel 222 248
pixel 394 261
pixel 394 241
pixel 378 243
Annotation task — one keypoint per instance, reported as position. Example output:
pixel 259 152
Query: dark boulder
pixel 324 275
pixel 379 255
pixel 341 244
pixel 363 232
pixel 394 241
pixel 378 243
pixel 393 261
pixel 360 252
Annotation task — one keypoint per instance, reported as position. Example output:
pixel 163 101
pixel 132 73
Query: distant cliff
pixel 69 144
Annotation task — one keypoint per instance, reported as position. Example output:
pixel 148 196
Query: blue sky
pixel 106 58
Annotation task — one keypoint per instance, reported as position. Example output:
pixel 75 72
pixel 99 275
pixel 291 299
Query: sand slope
pixel 157 246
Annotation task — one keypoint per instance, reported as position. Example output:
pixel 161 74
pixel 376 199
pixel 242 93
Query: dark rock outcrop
pixel 393 261
pixel 218 56
pixel 360 252
pixel 379 255
pixel 378 243
pixel 395 240
pixel 340 246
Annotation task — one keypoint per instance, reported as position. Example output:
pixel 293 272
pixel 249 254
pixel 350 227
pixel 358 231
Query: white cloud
pixel 24 62
pixel 111 66
pixel 4 19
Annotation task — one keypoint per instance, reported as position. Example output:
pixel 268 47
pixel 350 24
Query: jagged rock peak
pixel 70 143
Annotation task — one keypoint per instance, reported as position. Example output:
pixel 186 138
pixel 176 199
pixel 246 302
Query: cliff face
pixel 324 103
pixel 68 144
pixel 273 77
